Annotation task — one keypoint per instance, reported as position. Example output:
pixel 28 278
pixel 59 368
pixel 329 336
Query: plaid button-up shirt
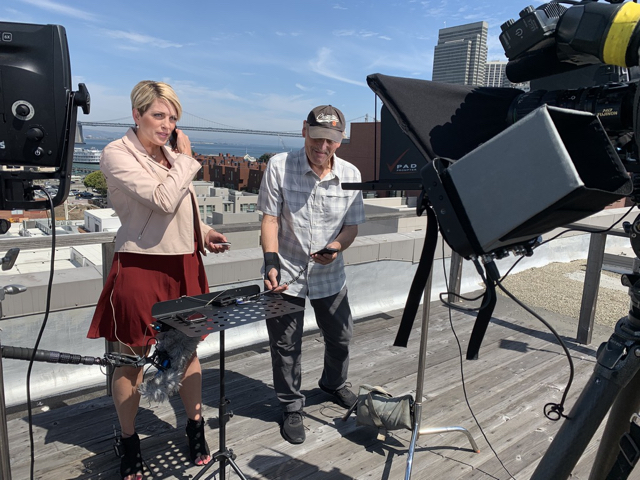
pixel 311 212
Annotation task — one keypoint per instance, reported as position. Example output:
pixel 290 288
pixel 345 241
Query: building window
pixel 201 210
pixel 210 209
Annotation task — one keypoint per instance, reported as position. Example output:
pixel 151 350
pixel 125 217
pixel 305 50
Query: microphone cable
pixel 553 411
pixel 40 333
pixel 464 388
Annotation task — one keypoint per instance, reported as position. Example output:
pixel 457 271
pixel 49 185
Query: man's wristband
pixel 272 260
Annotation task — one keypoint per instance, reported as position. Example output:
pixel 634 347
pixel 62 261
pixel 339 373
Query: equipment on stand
pixel 421 285
pixel 216 312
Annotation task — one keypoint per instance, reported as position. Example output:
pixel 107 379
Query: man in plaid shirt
pixel 305 210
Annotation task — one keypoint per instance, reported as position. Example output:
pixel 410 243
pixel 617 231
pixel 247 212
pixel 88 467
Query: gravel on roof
pixel 558 287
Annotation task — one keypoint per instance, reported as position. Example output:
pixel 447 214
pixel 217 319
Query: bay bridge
pixel 190 122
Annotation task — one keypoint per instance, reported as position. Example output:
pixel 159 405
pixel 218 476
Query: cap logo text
pixel 324 118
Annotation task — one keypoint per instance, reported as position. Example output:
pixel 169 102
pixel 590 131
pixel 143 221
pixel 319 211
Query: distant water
pixel 255 151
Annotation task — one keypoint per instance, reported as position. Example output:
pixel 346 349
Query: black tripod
pixel 217 312
pixel 613 386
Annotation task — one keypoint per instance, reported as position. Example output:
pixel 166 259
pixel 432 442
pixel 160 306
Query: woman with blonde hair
pixel 158 256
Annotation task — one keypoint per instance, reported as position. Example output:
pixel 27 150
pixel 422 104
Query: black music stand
pixel 216 312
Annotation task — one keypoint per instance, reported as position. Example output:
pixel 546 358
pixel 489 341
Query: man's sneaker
pixel 343 396
pixel 292 429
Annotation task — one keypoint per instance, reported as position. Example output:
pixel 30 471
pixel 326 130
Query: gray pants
pixel 333 316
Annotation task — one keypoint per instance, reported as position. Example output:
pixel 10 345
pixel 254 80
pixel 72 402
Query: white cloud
pixel 302 87
pixel 353 33
pixel 140 39
pixel 187 88
pixel 405 62
pixel 322 65
pixel 285 34
pixel 60 8
pixel 475 17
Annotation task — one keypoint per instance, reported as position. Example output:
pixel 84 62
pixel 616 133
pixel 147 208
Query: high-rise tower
pixel 495 76
pixel 461 54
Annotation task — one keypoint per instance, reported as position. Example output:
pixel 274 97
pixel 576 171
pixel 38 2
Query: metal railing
pixel 588 302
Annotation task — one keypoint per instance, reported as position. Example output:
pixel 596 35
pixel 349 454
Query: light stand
pixel 216 312
pixel 417 408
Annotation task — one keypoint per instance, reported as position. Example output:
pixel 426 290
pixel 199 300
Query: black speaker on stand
pixel 39 109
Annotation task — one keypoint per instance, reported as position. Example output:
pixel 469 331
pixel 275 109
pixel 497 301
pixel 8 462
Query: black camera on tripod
pixel 582 48
pixel 553 39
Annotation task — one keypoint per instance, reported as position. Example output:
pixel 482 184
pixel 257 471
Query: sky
pixel 259 65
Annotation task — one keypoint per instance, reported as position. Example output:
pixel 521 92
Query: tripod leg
pixel 594 402
pixel 627 403
pixel 417 413
pixel 237 469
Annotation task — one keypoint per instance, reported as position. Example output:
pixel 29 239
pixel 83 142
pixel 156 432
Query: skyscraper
pixel 461 54
pixel 495 76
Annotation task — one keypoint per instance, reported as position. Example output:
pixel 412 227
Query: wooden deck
pixel 520 369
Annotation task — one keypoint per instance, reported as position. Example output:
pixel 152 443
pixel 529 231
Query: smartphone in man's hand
pixel 326 250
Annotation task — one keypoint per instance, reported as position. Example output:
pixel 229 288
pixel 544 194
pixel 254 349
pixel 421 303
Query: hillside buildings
pixel 237 173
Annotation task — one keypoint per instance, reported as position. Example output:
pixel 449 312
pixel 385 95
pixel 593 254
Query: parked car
pixel 84 195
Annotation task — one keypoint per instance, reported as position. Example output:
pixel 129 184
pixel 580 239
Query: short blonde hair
pixel 147 91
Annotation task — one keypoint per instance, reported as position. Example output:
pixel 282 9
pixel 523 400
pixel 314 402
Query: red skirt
pixel 135 283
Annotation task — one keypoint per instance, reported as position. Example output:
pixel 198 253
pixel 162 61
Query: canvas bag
pixel 378 408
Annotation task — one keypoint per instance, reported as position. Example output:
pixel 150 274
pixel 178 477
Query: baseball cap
pixel 326 121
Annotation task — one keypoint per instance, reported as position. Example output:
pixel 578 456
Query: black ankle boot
pixel 130 456
pixel 197 442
